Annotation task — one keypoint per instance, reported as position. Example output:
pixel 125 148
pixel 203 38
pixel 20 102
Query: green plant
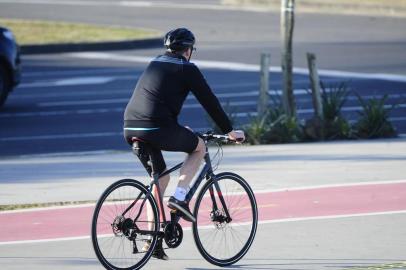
pixel 333 125
pixel 333 100
pixel 257 128
pixel 284 129
pixel 374 118
pixel 274 126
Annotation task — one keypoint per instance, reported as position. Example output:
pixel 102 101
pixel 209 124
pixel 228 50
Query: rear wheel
pixel 121 226
pixel 224 240
pixel 4 84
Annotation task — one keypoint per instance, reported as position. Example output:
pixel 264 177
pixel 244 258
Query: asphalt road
pixel 349 43
pixel 75 102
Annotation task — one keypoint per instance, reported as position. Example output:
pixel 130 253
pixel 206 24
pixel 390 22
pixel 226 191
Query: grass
pixel 48 32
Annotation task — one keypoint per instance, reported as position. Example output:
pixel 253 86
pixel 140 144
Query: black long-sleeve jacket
pixel 162 89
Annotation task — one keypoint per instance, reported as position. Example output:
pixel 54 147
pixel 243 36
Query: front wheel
pixel 226 219
pixel 125 218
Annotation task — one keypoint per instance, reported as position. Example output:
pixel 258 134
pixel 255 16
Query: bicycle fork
pixel 222 201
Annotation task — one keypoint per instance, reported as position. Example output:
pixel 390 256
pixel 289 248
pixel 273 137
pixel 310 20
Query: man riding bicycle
pixel 151 117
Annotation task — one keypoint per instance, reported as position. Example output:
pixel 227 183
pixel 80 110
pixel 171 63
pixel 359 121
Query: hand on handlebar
pixel 236 135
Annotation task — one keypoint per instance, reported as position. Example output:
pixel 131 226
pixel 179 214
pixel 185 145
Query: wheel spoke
pixel 113 234
pixel 225 243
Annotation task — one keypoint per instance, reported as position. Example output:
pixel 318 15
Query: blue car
pixel 10 70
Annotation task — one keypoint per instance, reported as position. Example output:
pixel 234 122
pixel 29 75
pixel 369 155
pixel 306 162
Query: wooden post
pixel 287 25
pixel 263 100
pixel 315 85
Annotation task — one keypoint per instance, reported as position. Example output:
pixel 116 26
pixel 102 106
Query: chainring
pixel 173 235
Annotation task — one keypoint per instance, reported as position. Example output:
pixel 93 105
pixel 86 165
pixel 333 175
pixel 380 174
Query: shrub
pixel 285 129
pixel 333 100
pixel 334 125
pixel 257 128
pixel 274 126
pixel 374 119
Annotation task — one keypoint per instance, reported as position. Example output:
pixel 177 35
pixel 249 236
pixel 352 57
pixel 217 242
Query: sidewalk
pixel 83 176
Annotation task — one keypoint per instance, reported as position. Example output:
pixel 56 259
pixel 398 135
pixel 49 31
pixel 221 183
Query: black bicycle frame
pixel 206 172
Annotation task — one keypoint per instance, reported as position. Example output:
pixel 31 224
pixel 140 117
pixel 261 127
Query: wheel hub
pixel 122 226
pixel 219 219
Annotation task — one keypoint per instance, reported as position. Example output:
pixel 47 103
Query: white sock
pixel 180 194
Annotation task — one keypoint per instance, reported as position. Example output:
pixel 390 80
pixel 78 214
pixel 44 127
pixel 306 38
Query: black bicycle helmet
pixel 179 39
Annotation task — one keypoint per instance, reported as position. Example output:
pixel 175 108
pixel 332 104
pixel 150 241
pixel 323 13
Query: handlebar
pixel 209 136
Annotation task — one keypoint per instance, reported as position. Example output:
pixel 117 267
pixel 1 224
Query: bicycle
pixel 225 210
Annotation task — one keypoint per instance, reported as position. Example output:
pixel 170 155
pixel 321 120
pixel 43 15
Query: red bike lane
pixel 72 222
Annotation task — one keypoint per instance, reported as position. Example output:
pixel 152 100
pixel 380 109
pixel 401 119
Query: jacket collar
pixel 174 55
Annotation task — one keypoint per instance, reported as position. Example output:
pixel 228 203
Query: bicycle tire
pixel 109 203
pixel 238 199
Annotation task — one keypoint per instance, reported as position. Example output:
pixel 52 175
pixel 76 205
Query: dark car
pixel 10 71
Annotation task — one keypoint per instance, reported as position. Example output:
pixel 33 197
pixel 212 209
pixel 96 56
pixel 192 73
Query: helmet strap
pixel 190 55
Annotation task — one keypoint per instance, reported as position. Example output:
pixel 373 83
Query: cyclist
pixel 151 116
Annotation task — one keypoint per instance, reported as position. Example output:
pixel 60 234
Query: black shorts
pixel 173 138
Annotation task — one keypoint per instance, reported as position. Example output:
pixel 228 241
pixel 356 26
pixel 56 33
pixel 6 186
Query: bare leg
pixel 191 165
pixel 163 183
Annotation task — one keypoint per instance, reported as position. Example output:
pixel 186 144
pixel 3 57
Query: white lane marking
pixel 209 227
pixel 307 111
pixel 186 106
pixel 356 108
pixel 189 97
pixel 61 136
pixel 75 81
pixel 98 92
pixel 399 119
pixel 83 102
pixel 65 73
pixel 43 240
pixel 63 112
pixel 243 67
pixel 276 92
pixel 110 56
pixel 332 217
pixel 74 93
pixel 83 81
pixel 346 109
pixel 369 183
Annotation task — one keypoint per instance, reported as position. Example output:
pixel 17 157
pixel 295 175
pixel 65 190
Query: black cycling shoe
pixel 158 252
pixel 183 207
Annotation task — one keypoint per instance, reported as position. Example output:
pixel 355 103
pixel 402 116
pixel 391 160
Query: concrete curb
pixel 92 46
pixel 323 6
